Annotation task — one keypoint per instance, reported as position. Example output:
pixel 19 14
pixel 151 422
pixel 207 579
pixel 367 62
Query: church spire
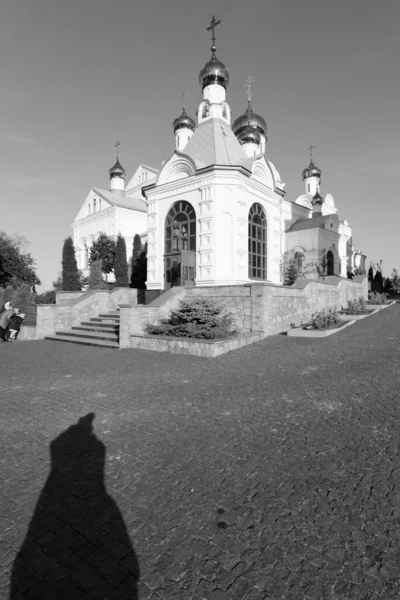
pixel 117 175
pixel 183 127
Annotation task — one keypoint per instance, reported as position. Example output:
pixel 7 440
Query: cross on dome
pixel 247 86
pixel 310 149
pixel 212 27
pixel 117 147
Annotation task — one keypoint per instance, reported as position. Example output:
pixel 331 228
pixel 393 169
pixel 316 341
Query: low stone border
pixel 317 333
pixel 195 347
pixel 381 306
pixel 358 317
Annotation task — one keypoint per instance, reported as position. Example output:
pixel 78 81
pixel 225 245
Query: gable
pixel 92 204
pixel 142 176
pixel 177 167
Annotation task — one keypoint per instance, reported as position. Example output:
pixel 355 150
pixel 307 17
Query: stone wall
pixel 134 319
pixel 275 308
pixel 122 295
pixel 27 332
pixel 67 298
pixel 236 301
pixel 52 317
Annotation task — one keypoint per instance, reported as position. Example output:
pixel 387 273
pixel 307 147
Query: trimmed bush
pixel 376 298
pixel 95 279
pixel 196 318
pixel 355 307
pixel 324 318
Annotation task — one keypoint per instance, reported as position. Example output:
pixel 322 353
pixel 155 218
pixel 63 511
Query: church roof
pixel 122 201
pixel 313 223
pixel 214 143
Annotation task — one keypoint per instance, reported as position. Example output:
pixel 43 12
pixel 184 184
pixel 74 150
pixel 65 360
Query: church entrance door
pixel 180 245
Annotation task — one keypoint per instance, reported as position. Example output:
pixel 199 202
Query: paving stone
pixel 270 472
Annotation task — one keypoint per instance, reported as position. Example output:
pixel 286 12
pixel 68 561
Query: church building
pixel 216 213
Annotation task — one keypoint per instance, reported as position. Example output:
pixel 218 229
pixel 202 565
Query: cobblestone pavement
pixel 271 472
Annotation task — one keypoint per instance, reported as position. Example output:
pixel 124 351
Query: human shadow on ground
pixel 77 544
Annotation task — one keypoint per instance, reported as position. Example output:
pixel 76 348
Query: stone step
pixel 92 335
pixel 99 323
pixel 107 316
pixel 105 328
pixel 83 341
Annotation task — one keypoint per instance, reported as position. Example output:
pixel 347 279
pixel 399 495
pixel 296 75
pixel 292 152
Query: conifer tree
pixel 95 279
pixel 121 263
pixel 136 252
pixel 139 271
pixel 70 273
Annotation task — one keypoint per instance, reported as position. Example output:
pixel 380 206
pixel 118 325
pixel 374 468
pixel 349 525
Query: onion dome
pixel 317 199
pixel 249 118
pixel 117 170
pixel 184 121
pixel 214 71
pixel 249 135
pixel 311 171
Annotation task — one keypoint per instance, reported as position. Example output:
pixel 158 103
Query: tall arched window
pixel 257 242
pixel 180 244
pixel 180 228
pixel 94 205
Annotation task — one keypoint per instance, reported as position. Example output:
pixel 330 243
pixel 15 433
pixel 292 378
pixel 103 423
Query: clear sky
pixel 78 75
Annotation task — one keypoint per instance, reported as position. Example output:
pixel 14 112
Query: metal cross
pixel 310 149
pixel 212 27
pixel 247 86
pixel 183 99
pixel 116 146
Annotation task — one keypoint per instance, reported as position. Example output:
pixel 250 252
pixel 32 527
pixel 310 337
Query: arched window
pixel 180 228
pixel 88 209
pixel 257 242
pixel 329 263
pixel 94 205
pixel 298 261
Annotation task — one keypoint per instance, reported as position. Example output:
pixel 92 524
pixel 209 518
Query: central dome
pixel 249 118
pixel 214 72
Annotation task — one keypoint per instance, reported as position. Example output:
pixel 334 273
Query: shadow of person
pixel 77 545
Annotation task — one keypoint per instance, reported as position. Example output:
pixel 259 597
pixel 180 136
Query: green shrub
pixel 356 306
pixel 324 318
pixel 376 298
pixel 196 318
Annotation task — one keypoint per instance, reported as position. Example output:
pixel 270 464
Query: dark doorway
pixel 329 263
pixel 77 544
pixel 180 245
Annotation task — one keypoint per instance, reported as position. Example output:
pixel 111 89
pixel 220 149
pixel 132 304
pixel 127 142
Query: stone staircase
pixel 98 331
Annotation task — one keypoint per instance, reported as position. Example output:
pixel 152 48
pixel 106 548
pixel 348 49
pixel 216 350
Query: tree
pixel 95 279
pixel 121 263
pixel 370 273
pixel 70 274
pixel 139 271
pixel 136 252
pixel 103 249
pixel 16 265
pixel 396 281
pixel 293 269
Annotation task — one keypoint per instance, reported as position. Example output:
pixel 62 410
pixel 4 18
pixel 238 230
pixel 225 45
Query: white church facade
pixel 216 213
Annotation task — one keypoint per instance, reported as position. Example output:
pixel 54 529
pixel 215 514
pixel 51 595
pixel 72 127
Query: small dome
pixel 214 71
pixel 249 118
pixel 317 199
pixel 117 170
pixel 249 135
pixel 184 121
pixel 311 171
